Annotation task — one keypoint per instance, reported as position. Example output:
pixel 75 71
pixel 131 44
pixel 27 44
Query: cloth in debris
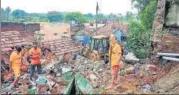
pixel 16 63
pixel 41 80
pixel 35 52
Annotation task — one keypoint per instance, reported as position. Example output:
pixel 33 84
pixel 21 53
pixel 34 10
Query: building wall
pixel 10 26
pixel 32 27
pixel 55 31
pixel 13 26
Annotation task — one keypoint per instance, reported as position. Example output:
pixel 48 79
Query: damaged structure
pixel 81 75
pixel 165 42
pixel 165 27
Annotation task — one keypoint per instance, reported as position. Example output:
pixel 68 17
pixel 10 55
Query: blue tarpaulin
pixel 84 39
pixel 118 33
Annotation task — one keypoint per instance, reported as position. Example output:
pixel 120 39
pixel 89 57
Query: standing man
pixel 35 55
pixel 115 53
pixel 15 64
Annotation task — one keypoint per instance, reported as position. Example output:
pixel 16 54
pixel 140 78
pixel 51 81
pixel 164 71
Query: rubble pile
pixel 169 83
pixel 43 84
pixel 133 79
pixel 136 79
pixel 48 83
pixel 98 73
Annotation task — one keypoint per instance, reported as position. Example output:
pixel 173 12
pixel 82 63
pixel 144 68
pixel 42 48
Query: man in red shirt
pixel 35 55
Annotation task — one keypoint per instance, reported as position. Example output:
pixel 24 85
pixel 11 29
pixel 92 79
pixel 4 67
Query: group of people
pixel 18 58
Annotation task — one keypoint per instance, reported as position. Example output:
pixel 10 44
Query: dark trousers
pixel 32 69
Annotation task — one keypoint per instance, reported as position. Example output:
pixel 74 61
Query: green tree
pixel 112 17
pixel 128 16
pixel 120 17
pixel 139 39
pixel 140 4
pixel 75 16
pixel 89 16
pixel 2 14
pixel 147 15
pixel 7 12
pixel 19 14
pixel 55 16
pixel 140 31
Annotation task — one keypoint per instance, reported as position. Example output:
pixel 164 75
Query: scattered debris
pixel 130 57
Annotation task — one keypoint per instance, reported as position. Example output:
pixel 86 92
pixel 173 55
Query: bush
pixel 141 54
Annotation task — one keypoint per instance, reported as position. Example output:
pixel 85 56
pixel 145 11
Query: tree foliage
pixel 5 13
pixel 140 30
pixel 140 5
pixel 128 16
pixel 89 16
pixel 139 39
pixel 75 16
pixel 19 14
pixel 147 16
pixel 55 16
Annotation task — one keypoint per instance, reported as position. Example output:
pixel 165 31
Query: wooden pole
pixel 97 8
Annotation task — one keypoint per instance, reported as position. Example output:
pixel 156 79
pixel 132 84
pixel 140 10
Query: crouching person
pixel 35 55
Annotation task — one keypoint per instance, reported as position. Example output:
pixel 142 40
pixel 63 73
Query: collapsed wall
pixel 165 28
pixel 166 39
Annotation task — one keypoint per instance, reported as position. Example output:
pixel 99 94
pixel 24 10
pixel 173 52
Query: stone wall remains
pixel 165 39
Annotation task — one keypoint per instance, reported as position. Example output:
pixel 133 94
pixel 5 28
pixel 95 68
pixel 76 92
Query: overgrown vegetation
pixel 139 40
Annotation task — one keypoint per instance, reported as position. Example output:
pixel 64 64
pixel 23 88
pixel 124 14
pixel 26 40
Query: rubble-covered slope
pixel 169 83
